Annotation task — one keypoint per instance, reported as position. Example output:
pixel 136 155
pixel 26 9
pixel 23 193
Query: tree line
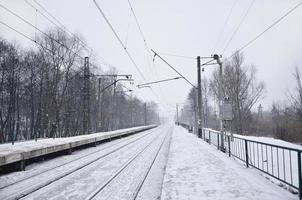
pixel 41 92
pixel 243 91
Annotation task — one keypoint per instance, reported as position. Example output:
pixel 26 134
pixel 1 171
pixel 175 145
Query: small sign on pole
pixel 227 111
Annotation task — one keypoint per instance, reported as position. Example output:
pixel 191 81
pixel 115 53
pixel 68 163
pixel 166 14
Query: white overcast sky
pixel 190 27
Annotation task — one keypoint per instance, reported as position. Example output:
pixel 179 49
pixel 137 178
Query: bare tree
pixel 241 86
pixel 41 92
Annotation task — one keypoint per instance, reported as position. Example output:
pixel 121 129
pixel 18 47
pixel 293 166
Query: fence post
pixel 300 175
pixel 209 137
pixel 246 154
pixel 200 133
pixel 229 144
pixel 218 141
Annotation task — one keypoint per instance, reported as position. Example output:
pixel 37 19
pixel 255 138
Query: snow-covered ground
pixel 196 170
pixel 276 157
pixel 30 145
pixel 271 141
pixel 79 175
pixel 37 168
pixel 280 162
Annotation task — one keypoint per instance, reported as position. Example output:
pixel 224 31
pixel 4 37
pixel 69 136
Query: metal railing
pixel 281 163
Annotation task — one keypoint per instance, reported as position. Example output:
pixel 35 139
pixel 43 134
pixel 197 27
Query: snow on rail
pixel 21 151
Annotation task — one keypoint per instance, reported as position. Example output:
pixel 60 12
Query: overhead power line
pixel 63 28
pixel 37 43
pixel 159 81
pixel 148 50
pixel 177 55
pixel 238 27
pixel 137 23
pixel 267 29
pixel 58 21
pixel 153 70
pixel 224 25
pixel 119 39
pixel 42 32
pixel 156 54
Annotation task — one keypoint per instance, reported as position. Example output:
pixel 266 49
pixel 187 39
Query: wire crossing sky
pixel 271 30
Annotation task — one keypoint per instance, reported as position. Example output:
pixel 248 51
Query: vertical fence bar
pixel 258 154
pixel 278 162
pixel 262 157
pixel 250 151
pixel 284 174
pixel 229 144
pixel 254 154
pixel 246 154
pixel 217 140
pixel 209 137
pixel 272 159
pixel 300 175
pixel 291 168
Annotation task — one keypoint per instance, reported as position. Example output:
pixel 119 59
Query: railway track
pixel 111 149
pixel 78 158
pixel 131 161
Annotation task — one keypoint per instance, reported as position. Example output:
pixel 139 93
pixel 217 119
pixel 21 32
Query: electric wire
pixel 61 24
pixel 36 28
pixel 119 39
pixel 128 29
pixel 177 55
pixel 224 25
pixel 238 27
pixel 156 54
pixel 45 34
pixel 137 23
pixel 122 44
pixel 63 28
pixel 149 56
pixel 266 29
pixel 38 44
pixel 143 38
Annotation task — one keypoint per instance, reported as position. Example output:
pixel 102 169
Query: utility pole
pixel 145 113
pixel 86 98
pixel 99 106
pixel 199 98
pixel 131 110
pixel 220 100
pixel 177 121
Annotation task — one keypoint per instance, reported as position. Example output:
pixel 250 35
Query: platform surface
pixel 29 149
pixel 197 170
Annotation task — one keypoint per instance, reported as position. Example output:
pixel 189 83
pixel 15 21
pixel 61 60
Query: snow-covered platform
pixel 196 170
pixel 22 151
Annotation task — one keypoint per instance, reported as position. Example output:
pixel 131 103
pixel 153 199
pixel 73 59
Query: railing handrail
pixel 255 141
pixel 269 144
pixel 246 153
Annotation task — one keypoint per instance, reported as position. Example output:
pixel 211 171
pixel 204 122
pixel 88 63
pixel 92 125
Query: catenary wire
pixel 63 28
pixel 148 50
pixel 224 25
pixel 37 43
pixel 265 30
pixel 36 28
pixel 238 27
pixel 156 54
pixel 61 24
pixel 119 39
